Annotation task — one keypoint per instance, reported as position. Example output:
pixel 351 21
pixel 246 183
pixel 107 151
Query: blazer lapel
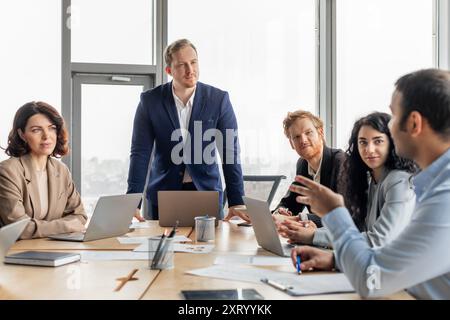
pixel 197 108
pixel 169 105
pixel 32 184
pixel 326 167
pixel 54 186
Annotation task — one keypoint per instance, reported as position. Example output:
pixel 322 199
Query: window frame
pixel 326 106
pixel 71 70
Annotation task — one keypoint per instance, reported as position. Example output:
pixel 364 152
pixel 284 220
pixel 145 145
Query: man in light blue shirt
pixel 419 258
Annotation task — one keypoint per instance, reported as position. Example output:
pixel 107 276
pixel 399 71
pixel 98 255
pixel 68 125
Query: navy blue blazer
pixel 156 119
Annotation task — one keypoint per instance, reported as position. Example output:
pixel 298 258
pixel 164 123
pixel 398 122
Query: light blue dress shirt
pixel 418 259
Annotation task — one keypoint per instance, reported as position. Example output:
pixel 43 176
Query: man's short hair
pixel 427 92
pixel 175 47
pixel 300 114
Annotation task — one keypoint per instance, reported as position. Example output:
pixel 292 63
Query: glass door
pixel 103 112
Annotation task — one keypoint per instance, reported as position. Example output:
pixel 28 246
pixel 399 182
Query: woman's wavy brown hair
pixel 17 147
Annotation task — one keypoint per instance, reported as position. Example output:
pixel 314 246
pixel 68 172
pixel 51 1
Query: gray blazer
pixel 390 205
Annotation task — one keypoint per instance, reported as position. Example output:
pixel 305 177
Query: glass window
pixel 112 31
pixel 263 54
pixel 106 144
pixel 377 42
pixel 30 58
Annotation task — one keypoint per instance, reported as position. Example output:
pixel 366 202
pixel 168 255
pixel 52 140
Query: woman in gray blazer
pixel 376 186
pixel 32 182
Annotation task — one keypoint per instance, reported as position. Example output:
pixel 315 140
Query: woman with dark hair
pixel 32 182
pixel 376 186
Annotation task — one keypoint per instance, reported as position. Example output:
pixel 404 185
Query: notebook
pixel 48 259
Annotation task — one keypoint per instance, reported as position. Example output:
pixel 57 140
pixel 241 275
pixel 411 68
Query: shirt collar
pixel 425 177
pixel 178 101
pixel 311 170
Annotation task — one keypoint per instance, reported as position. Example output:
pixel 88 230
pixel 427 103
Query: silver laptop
pixel 265 228
pixel 185 205
pixel 111 218
pixel 9 234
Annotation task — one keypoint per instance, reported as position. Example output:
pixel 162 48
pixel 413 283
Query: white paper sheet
pixel 313 284
pixel 253 260
pixel 140 225
pixel 139 240
pixel 299 284
pixel 193 248
pixel 95 255
pixel 231 272
pixel 180 247
pixel 132 240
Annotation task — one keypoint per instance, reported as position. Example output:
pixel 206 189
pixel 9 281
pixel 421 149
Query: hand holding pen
pixel 312 258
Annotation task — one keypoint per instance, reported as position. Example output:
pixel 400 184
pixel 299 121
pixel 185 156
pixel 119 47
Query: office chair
pixel 259 186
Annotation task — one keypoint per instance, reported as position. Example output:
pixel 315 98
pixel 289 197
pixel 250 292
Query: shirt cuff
pixel 337 222
pixel 321 238
pixel 337 267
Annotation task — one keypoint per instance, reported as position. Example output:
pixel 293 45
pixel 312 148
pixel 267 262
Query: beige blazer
pixel 19 197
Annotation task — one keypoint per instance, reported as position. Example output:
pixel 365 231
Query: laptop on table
pixel 265 229
pixel 9 234
pixel 184 206
pixel 111 218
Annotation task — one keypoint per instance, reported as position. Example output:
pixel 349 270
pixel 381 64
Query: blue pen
pixel 298 265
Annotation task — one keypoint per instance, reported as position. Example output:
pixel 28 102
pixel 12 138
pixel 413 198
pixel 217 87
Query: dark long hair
pixel 354 179
pixel 17 147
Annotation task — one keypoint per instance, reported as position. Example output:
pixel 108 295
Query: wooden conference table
pixel 98 279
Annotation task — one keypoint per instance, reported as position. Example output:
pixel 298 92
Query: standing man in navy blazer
pixel 183 122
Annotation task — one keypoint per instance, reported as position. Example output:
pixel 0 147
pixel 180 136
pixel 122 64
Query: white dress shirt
pixel 184 115
pixel 315 174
